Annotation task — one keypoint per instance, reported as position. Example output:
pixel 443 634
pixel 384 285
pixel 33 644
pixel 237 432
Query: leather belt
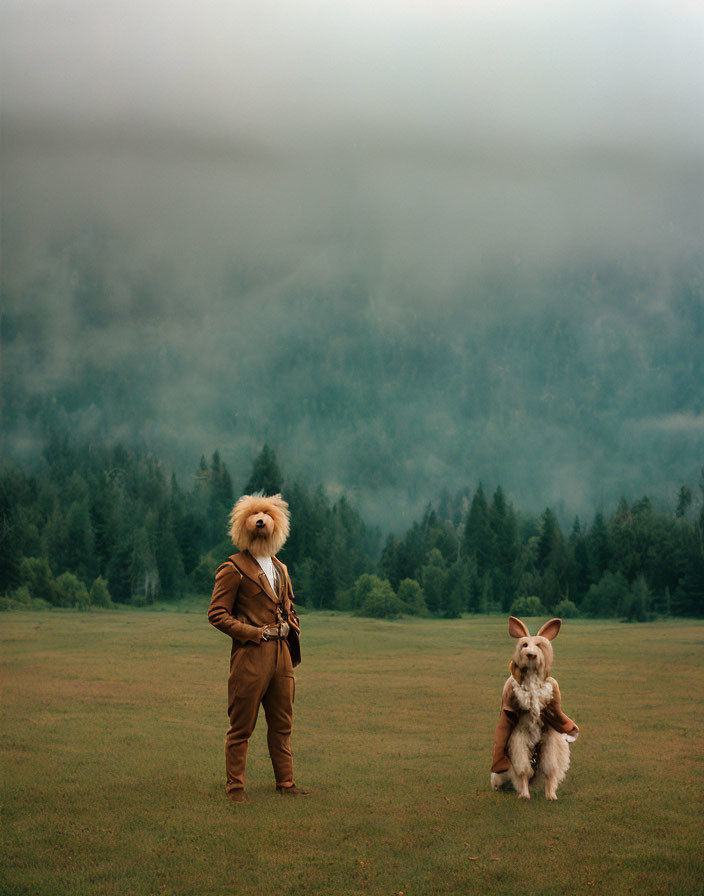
pixel 275 637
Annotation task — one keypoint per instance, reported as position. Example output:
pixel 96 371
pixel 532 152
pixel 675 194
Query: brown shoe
pixel 291 791
pixel 237 796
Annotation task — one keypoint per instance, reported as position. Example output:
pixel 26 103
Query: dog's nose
pixel 260 524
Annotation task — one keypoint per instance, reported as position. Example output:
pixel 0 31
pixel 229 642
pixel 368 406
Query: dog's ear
pixel 550 629
pixel 517 629
pixel 515 671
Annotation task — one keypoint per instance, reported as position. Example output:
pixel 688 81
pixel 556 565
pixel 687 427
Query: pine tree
pixel 388 563
pixel 403 559
pixel 504 529
pixel 220 500
pixel 598 548
pixel 551 561
pixel 549 542
pixel 478 537
pixel 455 598
pixel 168 556
pixel 621 539
pixel 684 499
pixel 688 599
pixel 325 585
pixel 78 553
pixel 266 476
pixel 440 535
pixel 103 498
pixel 225 492
pixel 578 563
pixel 11 495
pixel 302 537
pixel 303 576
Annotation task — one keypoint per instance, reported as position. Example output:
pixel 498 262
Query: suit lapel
pixel 266 586
pixel 280 578
pixel 249 567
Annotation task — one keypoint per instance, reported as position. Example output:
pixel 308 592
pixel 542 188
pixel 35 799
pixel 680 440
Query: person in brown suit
pixel 252 602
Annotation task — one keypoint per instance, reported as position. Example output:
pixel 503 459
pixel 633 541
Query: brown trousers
pixel 260 674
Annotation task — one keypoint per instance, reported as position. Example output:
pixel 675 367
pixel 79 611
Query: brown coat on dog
pixel 551 715
pixel 529 741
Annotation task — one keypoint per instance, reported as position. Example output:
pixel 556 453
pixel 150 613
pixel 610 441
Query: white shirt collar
pixel 267 564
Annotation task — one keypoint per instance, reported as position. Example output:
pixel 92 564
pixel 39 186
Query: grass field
pixel 113 729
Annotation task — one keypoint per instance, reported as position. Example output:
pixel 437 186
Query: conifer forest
pixel 95 525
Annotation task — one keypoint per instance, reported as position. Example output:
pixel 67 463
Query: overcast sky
pixel 503 86
pixel 509 92
pixel 614 72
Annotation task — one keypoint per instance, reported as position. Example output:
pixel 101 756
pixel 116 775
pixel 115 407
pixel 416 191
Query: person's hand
pixel 275 631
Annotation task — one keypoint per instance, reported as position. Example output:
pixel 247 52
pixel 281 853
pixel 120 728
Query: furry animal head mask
pixel 260 524
pixel 532 653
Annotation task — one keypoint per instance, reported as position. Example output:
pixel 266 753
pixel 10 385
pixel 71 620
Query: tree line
pixel 97 525
pixel 479 555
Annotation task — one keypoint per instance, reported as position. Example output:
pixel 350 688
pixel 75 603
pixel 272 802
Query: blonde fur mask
pixel 260 524
pixel 532 654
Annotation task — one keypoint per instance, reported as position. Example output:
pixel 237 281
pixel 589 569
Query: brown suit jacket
pixel 243 601
pixel 552 715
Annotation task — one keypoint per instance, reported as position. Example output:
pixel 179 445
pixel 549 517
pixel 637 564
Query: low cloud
pixel 412 245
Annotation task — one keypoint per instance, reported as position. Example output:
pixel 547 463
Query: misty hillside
pixel 569 388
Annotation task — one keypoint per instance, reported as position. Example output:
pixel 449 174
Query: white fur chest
pixel 532 695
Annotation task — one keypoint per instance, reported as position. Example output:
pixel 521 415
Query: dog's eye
pixel 524 644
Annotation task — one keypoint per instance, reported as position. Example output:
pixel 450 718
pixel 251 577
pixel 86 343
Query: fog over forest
pixel 411 246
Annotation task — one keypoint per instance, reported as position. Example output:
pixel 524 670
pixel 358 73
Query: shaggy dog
pixel 260 524
pixel 532 736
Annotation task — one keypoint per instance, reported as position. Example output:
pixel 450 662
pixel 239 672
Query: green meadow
pixel 113 729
